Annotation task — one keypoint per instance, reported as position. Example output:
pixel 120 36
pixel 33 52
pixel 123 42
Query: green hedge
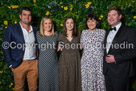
pixel 57 10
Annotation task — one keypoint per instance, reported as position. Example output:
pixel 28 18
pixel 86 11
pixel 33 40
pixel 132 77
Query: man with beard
pixel 19 55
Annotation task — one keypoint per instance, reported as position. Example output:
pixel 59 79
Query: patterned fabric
pixel 69 64
pixel 92 60
pixel 48 63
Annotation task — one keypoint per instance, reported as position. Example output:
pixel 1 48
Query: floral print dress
pixel 92 60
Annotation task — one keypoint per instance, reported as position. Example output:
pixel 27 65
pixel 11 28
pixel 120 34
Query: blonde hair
pixel 41 26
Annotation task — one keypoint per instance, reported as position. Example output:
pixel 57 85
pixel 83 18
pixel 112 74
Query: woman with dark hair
pixel 69 61
pixel 92 59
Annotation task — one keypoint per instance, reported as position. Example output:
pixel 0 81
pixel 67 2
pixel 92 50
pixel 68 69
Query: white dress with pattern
pixel 92 60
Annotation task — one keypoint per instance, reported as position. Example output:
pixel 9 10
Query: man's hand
pixel 110 59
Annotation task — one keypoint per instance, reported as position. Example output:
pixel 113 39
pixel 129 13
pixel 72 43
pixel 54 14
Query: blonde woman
pixel 48 60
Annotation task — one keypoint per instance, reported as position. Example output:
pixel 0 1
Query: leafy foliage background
pixel 58 10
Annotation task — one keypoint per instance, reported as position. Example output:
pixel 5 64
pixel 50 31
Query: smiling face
pixel 114 18
pixel 47 25
pixel 91 24
pixel 25 17
pixel 69 24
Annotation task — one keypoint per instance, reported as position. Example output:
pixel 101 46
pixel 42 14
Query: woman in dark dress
pixel 48 61
pixel 69 61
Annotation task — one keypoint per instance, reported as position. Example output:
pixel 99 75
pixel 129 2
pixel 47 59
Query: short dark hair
pixel 25 8
pixel 115 8
pixel 93 16
pixel 75 32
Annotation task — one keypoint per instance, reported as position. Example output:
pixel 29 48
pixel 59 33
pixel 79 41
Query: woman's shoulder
pixel 60 35
pixel 38 33
pixel 79 33
pixel 85 31
pixel 56 32
pixel 101 30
